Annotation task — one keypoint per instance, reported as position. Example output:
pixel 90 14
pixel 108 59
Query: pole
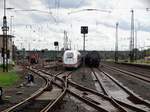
pixel 116 44
pixel 4 28
pixel 11 25
pixel 56 57
pixel 29 46
pixel 136 50
pixel 7 52
pixel 132 38
pixel 3 49
pixel 70 44
pixel 84 30
pixel 4 7
pixel 83 76
pixel 64 40
pixel 6 44
pixel 84 42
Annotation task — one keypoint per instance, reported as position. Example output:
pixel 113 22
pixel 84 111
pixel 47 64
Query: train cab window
pixel 69 55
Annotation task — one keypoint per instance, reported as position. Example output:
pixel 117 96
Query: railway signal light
pixel 55 43
pixel 84 29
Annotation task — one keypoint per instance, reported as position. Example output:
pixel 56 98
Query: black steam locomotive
pixel 92 59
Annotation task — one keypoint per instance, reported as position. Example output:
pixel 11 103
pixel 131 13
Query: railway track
pixel 97 100
pixel 40 101
pixel 123 96
pixel 104 100
pixel 134 74
pixel 131 104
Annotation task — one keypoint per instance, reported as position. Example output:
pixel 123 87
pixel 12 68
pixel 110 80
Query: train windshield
pixel 69 55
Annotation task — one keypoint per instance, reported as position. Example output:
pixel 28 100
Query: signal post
pixel 84 30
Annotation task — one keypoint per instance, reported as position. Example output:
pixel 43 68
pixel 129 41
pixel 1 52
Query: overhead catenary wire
pixel 37 10
pixel 100 10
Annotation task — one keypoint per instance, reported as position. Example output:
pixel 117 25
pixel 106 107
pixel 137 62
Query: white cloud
pixel 41 29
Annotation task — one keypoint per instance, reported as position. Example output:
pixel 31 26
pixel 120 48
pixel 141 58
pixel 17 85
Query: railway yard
pixel 75 56
pixel 109 88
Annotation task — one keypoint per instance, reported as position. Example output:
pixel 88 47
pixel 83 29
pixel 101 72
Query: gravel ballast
pixel 71 104
pixel 84 77
pixel 20 90
pixel 139 87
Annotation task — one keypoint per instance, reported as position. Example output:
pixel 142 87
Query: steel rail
pixel 139 76
pixel 127 91
pixel 27 100
pixel 88 102
pixel 52 105
pixel 91 103
pixel 98 94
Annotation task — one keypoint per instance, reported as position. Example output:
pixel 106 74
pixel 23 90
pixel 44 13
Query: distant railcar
pixel 71 59
pixel 92 59
pixel 34 58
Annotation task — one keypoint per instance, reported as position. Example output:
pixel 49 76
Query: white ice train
pixel 71 59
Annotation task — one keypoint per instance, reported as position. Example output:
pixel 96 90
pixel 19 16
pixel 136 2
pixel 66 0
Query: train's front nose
pixel 69 59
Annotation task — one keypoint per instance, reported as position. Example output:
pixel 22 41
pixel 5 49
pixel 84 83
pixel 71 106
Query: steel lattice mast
pixel 132 38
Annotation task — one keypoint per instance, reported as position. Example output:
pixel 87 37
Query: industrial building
pixel 10 47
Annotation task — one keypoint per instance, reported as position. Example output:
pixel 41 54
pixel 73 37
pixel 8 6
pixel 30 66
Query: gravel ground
pixel 84 78
pixel 134 69
pixel 71 104
pixel 17 93
pixel 137 86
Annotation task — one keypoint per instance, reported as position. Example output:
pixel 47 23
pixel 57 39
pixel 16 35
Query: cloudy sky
pixel 39 29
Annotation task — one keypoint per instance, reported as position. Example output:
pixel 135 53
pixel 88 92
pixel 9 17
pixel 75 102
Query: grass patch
pixel 8 78
pixel 10 66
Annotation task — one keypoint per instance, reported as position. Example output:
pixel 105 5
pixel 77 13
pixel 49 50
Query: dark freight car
pixel 92 59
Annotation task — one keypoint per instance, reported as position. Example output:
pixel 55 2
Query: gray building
pixel 10 47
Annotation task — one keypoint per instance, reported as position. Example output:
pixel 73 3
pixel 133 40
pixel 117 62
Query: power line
pixel 36 10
